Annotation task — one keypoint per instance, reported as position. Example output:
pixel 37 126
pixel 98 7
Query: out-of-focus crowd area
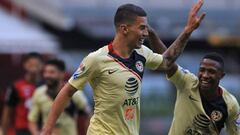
pixel 70 29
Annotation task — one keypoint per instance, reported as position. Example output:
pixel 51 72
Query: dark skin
pixel 210 72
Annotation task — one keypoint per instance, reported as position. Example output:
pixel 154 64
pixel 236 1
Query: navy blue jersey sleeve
pixel 11 96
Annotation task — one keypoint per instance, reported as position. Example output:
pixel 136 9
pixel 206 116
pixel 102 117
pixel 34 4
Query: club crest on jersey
pixel 79 71
pixel 131 86
pixel 139 66
pixel 216 115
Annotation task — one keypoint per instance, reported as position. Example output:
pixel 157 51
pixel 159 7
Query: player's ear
pixel 123 28
pixel 222 75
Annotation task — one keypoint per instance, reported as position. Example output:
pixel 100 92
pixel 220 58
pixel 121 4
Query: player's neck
pixel 32 78
pixel 54 90
pixel 210 94
pixel 121 47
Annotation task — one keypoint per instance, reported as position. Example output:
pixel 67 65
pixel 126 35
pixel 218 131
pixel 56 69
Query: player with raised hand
pixel 115 73
pixel 202 107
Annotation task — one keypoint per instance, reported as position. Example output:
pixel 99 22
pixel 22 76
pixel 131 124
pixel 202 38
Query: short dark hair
pixel 32 55
pixel 57 63
pixel 128 13
pixel 216 57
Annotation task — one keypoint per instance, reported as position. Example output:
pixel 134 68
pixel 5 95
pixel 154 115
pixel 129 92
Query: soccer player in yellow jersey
pixel 115 73
pixel 203 107
pixel 44 96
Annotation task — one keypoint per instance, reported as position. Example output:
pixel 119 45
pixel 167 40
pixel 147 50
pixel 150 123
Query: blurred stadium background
pixel 70 29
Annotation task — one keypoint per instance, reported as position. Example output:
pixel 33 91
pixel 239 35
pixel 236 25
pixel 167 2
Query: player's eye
pixel 201 69
pixel 142 27
pixel 211 71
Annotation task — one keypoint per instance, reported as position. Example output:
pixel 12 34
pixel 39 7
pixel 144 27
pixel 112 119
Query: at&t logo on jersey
pixel 200 126
pixel 130 108
pixel 131 86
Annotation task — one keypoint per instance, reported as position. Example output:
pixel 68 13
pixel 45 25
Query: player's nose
pixel 145 33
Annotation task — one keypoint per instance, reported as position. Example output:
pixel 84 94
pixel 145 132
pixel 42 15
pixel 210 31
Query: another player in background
pixel 18 95
pixel 53 74
pixel 115 73
pixel 203 107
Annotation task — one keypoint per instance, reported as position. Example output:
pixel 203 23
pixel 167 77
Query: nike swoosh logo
pixel 111 71
pixel 193 99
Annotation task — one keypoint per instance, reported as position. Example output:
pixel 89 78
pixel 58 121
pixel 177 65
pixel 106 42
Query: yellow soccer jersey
pixel 116 85
pixel 41 104
pixel 190 116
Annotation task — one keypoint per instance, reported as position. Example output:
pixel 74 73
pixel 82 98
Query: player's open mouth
pixel 205 83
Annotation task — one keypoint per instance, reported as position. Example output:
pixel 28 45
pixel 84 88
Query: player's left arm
pixel 233 120
pixel 173 52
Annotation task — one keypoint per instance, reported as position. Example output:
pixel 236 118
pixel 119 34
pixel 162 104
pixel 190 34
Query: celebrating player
pixel 54 71
pixel 202 107
pixel 115 73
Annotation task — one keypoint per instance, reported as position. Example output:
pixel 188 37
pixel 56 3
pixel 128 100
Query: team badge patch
pixel 79 71
pixel 139 66
pixel 216 115
pixel 185 71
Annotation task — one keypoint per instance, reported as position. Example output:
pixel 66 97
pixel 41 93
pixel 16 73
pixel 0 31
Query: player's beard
pixel 52 83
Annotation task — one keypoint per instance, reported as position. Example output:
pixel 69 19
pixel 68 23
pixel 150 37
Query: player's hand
pixel 150 29
pixel 193 19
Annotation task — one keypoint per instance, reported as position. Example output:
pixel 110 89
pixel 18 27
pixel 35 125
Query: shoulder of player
pixel 231 102
pixel 18 82
pixel 40 90
pixel 143 50
pixel 95 56
pixel 16 85
pixel 186 75
pixel 229 98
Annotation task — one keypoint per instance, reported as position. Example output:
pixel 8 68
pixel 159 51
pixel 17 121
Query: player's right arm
pixel 86 71
pixel 33 128
pixel 11 100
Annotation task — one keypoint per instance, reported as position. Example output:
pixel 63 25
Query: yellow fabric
pixel 116 112
pixel 189 111
pixel 41 104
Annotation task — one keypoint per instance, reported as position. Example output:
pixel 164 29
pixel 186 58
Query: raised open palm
pixel 193 19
